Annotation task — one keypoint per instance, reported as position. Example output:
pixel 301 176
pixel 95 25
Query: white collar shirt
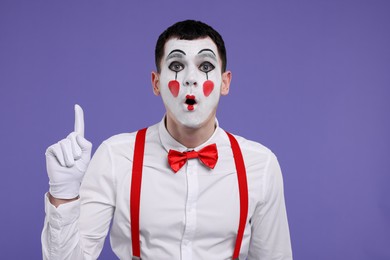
pixel 189 215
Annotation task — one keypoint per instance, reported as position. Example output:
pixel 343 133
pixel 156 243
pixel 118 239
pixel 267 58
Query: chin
pixel 192 125
pixel 194 121
pixel 190 122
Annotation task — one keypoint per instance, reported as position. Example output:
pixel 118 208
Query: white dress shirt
pixel 190 215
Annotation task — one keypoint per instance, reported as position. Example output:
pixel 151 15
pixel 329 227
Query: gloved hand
pixel 67 161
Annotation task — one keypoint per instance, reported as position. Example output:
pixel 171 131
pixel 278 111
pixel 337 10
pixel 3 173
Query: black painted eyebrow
pixel 206 50
pixel 207 53
pixel 176 50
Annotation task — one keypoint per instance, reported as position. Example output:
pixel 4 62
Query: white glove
pixel 67 160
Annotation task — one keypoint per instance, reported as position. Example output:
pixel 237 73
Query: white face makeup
pixel 190 80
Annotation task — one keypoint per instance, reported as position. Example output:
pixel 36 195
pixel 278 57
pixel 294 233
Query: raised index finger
pixel 79 120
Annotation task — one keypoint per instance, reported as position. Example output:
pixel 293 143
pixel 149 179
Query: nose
pixel 190 78
pixel 190 82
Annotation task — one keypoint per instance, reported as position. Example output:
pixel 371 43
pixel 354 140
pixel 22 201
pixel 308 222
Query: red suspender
pixel 135 192
pixel 243 190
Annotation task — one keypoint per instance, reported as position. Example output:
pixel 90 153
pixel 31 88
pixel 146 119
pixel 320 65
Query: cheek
pixel 208 87
pixel 174 87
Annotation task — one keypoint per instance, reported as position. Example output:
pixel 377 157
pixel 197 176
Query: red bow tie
pixel 207 155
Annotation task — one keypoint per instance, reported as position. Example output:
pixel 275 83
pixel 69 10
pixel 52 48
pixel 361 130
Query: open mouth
pixel 190 101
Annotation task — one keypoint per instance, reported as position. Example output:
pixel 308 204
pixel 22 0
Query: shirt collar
pixel 168 142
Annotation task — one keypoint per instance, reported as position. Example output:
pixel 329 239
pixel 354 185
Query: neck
pixel 187 136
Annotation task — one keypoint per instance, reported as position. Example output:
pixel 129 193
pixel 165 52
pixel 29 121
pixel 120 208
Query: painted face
pixel 190 80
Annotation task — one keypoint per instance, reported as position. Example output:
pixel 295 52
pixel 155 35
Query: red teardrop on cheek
pixel 208 87
pixel 174 87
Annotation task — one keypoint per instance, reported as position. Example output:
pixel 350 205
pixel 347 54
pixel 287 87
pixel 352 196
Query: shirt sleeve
pixel 77 230
pixel 270 237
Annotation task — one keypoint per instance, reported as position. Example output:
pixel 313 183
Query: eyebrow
pixel 211 55
pixel 206 50
pixel 171 54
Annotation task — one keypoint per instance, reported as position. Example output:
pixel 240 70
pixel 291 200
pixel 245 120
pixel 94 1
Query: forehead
pixel 190 47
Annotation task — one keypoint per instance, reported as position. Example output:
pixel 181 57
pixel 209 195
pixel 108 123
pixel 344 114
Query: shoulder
pixel 127 139
pixel 120 139
pixel 254 152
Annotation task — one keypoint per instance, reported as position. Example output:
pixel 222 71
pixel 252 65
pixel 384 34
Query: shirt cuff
pixel 65 214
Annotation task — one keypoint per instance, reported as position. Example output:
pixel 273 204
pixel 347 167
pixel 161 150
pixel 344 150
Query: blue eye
pixel 176 66
pixel 206 67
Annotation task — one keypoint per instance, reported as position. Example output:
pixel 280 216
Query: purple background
pixel 311 81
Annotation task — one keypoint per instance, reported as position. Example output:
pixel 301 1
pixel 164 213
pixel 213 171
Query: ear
pixel 156 83
pixel 226 79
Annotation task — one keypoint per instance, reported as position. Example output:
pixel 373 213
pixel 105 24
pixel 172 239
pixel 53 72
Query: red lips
pixel 190 101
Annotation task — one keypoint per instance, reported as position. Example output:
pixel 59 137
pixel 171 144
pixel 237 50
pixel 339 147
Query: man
pixel 181 189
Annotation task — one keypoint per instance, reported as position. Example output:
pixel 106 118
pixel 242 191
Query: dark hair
pixel 189 30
